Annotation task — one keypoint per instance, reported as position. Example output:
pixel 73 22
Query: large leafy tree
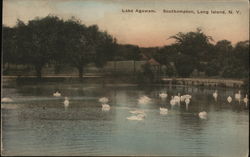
pixel 193 47
pixel 9 45
pixel 241 52
pixel 237 65
pixel 76 47
pixel 105 49
pixel 86 45
pixel 52 40
pixel 37 41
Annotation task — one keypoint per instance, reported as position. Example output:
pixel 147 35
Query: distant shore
pixel 103 79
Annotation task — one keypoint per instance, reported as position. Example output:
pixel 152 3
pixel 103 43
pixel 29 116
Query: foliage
pixel 127 52
pixel 185 65
pixel 192 48
pixel 52 40
pixel 234 69
pixel 212 68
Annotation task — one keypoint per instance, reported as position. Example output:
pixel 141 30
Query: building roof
pixel 152 61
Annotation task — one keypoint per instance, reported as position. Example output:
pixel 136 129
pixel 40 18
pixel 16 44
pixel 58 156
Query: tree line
pixel 51 40
pixel 195 50
pixel 55 41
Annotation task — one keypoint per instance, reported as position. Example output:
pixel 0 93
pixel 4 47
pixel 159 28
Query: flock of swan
pixel 175 100
pixel 140 114
pixel 237 97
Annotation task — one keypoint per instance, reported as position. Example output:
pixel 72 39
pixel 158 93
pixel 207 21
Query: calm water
pixel 37 123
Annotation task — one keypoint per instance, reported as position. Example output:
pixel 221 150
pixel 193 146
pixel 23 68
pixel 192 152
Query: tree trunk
pixel 38 71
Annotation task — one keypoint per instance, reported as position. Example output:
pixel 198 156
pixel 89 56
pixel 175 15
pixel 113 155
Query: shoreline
pixel 132 81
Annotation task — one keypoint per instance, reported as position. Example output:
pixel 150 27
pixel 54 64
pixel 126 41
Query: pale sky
pixel 143 29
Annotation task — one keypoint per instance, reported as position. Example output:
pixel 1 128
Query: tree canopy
pixel 50 39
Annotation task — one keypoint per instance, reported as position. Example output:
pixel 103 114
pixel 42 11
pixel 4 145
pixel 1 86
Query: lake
pixel 37 123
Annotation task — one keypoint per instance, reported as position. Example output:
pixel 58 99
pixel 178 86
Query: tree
pixel 212 68
pixel 37 41
pixel 77 46
pixel 223 50
pixel 233 60
pixel 127 52
pixel 9 45
pixel 241 52
pixel 192 48
pixel 185 65
pixel 105 50
pixel 86 45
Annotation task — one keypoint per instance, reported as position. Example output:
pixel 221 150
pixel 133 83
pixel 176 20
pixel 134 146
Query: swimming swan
pixel 56 94
pixel 172 101
pixel 187 101
pixel 245 100
pixel 104 100
pixel 237 96
pixel 215 95
pixel 66 102
pixel 163 109
pixel 137 117
pixel 144 100
pixel 6 99
pixel 105 107
pixel 229 99
pixel 163 95
pixel 203 115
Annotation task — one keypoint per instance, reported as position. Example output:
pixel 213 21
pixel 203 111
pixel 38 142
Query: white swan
pixel 245 99
pixel 187 101
pixel 187 96
pixel 177 99
pixel 105 107
pixel 104 100
pixel 141 115
pixel 144 100
pixel 56 94
pixel 137 117
pixel 163 95
pixel 215 95
pixel 183 98
pixel 203 115
pixel 237 96
pixel 163 109
pixel 172 101
pixel 229 99
pixel 6 99
pixel 134 118
pixel 66 102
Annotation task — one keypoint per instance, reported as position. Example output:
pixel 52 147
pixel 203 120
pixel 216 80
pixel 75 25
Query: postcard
pixel 125 78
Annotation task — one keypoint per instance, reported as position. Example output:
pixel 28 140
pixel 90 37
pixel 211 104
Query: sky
pixel 143 29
